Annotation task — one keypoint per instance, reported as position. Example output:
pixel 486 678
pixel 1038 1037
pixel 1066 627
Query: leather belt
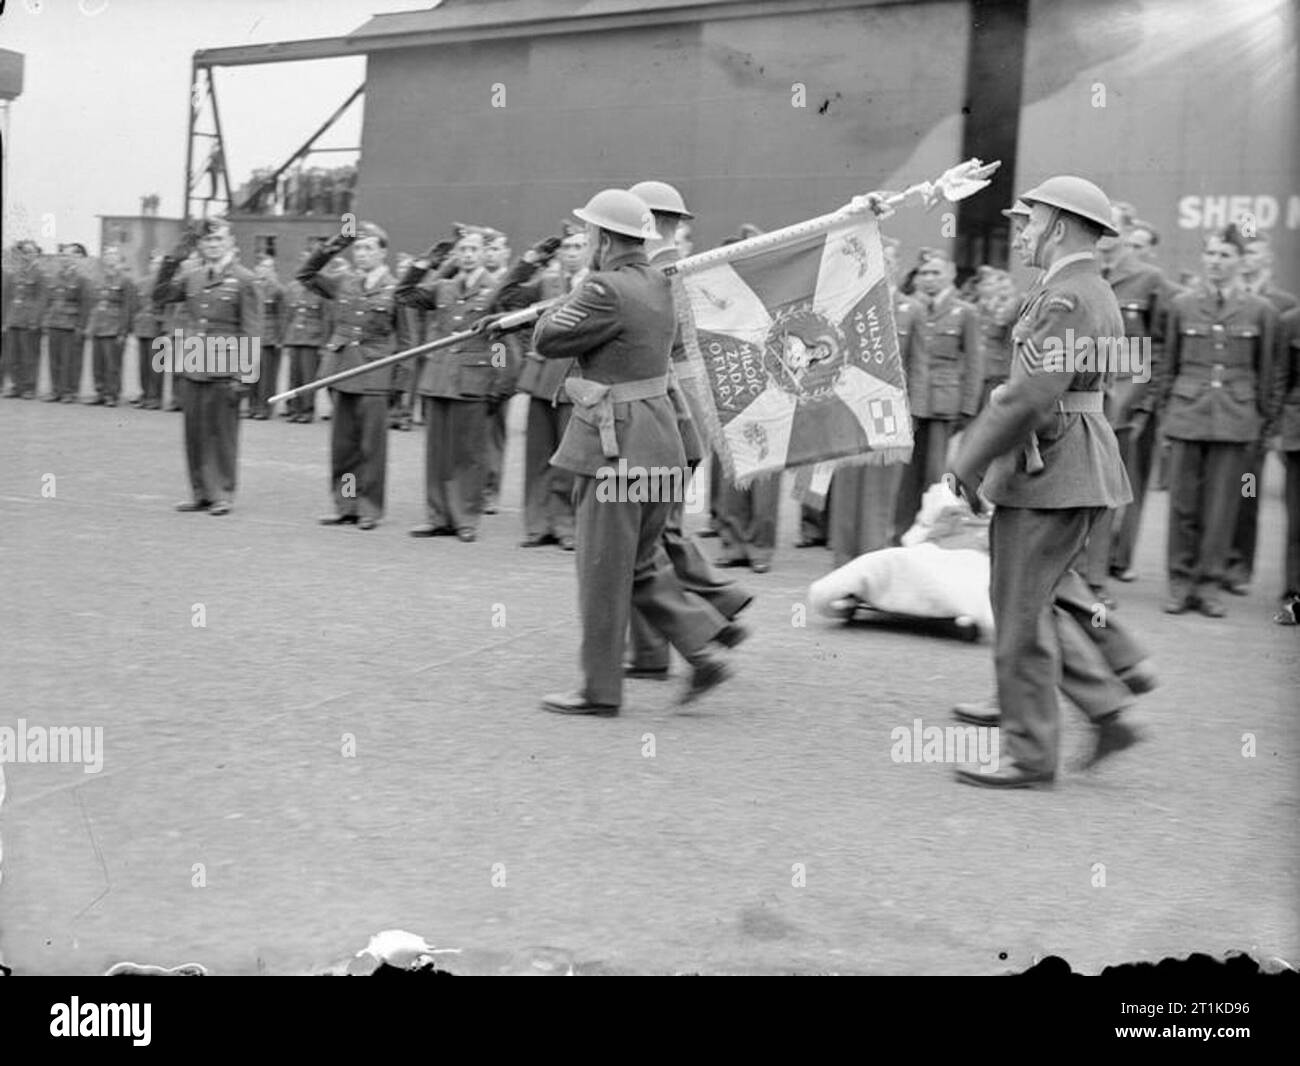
pixel 1071 403
pixel 593 402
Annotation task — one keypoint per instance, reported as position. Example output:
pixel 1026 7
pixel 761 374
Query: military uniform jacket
pixel 1081 463
pixel 944 360
pixel 271 295
pixel 367 324
pixel 215 302
pixel 147 322
pixel 1219 380
pixel 526 284
pixel 114 302
pixel 693 420
pixel 305 317
pixel 1143 295
pixel 25 301
pixel 1288 361
pixel 619 325
pixel 69 300
pixel 1281 300
pixel 464 371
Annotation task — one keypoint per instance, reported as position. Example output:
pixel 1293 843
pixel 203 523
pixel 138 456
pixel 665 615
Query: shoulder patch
pixel 1061 302
pixel 595 288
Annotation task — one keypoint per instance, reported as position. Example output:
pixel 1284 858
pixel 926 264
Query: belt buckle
pixel 1216 376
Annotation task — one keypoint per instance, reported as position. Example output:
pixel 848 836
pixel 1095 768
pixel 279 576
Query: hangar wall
pixel 705 105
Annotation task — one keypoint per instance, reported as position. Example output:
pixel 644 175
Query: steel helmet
pixel 1078 196
pixel 661 198
pixel 619 211
pixel 1019 209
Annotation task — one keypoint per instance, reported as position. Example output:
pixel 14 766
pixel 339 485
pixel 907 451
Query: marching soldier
pixel 619 325
pixel 1288 443
pixel 1257 279
pixel 220 303
pixel 114 302
pixel 944 364
pixel 649 648
pixel 1044 454
pixel 456 384
pixel 306 328
pixel 271 296
pixel 548 490
pixel 24 312
pixel 1143 294
pixel 67 310
pixel 366 326
pixel 146 325
pixel 1220 398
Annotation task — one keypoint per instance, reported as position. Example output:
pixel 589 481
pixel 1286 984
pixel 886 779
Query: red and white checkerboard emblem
pixel 882 417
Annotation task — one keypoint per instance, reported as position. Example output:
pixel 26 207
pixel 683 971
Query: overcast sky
pixel 101 120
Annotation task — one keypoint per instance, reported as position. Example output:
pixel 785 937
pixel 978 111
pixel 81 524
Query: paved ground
pixel 229 826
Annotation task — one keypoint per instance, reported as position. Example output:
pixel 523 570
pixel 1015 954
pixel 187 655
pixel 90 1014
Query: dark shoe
pixel 1113 736
pixel 706 673
pixel 576 703
pixel 1125 575
pixel 1288 612
pixel 174 406
pixel 704 534
pixel 366 523
pixel 53 398
pixel 260 416
pixel 732 635
pixel 1010 775
pixel 986 713
pixel 1237 588
pixel 536 540
pixel 760 568
pixel 98 401
pixel 730 564
pixel 110 402
pixel 809 542
pixel 429 530
pixel 1140 678
pixel 337 519
pixel 1178 605
pixel 220 507
pixel 1211 608
pixel 469 536
pixel 567 544
pixel 72 397
pixel 645 673
pixel 193 505
pixel 489 508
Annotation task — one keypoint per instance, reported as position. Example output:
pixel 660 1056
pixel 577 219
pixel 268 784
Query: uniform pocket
pixel 1188 390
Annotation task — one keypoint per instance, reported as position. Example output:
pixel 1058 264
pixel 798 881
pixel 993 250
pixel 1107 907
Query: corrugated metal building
pixel 512 112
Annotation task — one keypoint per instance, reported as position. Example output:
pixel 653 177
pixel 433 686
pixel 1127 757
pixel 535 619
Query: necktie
pixel 1218 299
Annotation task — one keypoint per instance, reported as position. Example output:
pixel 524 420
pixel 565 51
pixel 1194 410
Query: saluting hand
pixel 543 251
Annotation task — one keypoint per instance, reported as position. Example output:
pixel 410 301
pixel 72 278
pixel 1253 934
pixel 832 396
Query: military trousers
pixel 303 363
pixel 548 490
pixel 1204 496
pixel 747 520
pixel 211 417
pixel 359 452
pixel 23 358
pixel 649 648
pixel 930 437
pixel 862 509
pixel 1137 447
pixel 151 380
pixel 1239 567
pixel 1030 552
pixel 1094 561
pixel 106 362
pixel 1095 648
pixel 454 462
pixel 65 362
pixel 1292 558
pixel 494 451
pixel 621 566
